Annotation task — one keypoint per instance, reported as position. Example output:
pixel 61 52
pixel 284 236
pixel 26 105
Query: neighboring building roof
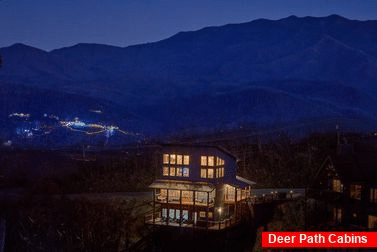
pixel 244 182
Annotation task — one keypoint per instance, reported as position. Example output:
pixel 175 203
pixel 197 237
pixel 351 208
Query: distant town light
pixel 8 143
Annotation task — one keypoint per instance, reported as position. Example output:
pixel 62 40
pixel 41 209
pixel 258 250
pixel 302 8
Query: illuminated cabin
pixel 198 187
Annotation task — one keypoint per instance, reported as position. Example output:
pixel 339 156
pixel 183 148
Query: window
pixel 202 214
pixel 201 197
pixel 337 185
pixel 373 195
pixel 210 173
pixel 204 161
pixel 172 171
pixel 186 172
pixel 203 173
pixel 185 215
pixel 356 191
pixel 211 161
pixel 164 212
pixel 166 158
pixel 230 193
pixel 211 167
pixel 187 196
pixel 175 165
pixel 174 195
pixel 179 159
pixel 179 172
pixel 210 215
pixel 164 192
pixel 165 171
pixel 172 159
pixel 186 159
pixel 171 213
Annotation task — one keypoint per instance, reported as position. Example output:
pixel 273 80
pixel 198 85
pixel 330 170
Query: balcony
pixel 199 224
pixel 185 201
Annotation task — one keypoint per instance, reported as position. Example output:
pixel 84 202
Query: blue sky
pixel 50 24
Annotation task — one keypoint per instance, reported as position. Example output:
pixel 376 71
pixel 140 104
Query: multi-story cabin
pixel 347 185
pixel 198 187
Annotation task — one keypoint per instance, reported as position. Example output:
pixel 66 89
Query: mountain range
pixel 309 73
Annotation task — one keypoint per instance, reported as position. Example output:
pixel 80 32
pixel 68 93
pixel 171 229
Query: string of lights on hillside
pixel 77 125
pixel 34 128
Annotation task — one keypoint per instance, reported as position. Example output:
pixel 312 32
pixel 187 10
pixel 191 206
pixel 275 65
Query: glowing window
pixel 207 162
pixel 202 214
pixel 179 172
pixel 166 159
pixel 186 159
pixel 164 192
pixel 172 158
pixel 164 212
pixel 204 161
pixel 186 172
pixel 201 197
pixel 210 173
pixel 211 161
pixel 179 159
pixel 174 195
pixel 174 165
pixel 203 173
pixel 337 185
pixel 210 215
pixel 172 171
pixel 187 196
pixel 165 171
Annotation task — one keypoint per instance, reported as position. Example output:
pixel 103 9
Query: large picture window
pixel 211 167
pixel 175 165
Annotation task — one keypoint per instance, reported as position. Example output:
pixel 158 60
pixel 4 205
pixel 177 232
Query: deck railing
pixel 200 224
pixel 185 201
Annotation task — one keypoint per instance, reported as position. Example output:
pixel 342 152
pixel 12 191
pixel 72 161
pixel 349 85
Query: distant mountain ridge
pixel 259 73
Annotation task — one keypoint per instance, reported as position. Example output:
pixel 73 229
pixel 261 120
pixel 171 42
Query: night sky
pixel 53 24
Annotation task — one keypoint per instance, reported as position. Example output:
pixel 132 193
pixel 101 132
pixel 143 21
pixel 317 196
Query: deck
pixel 209 225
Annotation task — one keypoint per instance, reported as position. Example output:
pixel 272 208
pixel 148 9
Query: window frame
pixel 212 169
pixel 177 165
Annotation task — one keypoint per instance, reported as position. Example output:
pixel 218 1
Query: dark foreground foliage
pixel 59 224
